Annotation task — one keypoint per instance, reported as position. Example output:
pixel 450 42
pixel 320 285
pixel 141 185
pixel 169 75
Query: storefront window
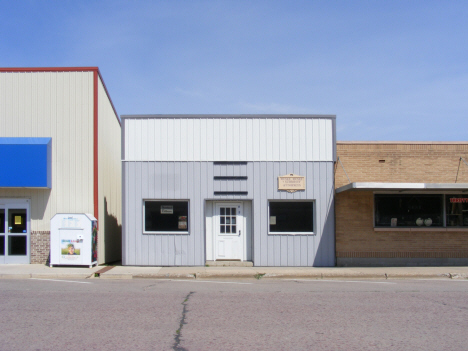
pixel 457 210
pixel 408 210
pixel 166 216
pixel 291 217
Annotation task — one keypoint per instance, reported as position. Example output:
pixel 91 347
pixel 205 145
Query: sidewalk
pixel 39 271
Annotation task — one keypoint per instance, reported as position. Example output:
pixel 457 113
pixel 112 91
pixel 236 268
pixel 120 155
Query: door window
pixel 227 220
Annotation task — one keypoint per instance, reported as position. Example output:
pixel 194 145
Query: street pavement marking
pixel 203 281
pixel 339 281
pixel 59 280
pixel 446 280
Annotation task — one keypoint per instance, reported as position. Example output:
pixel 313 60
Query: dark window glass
pixel 17 221
pixel 2 221
pixel 166 216
pixel 457 210
pixel 291 217
pixel 2 245
pixel 17 245
pixel 408 210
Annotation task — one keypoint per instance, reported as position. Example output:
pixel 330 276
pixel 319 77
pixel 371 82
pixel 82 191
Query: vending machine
pixel 73 240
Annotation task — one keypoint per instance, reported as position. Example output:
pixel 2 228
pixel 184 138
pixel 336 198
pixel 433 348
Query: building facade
pixel 60 150
pixel 401 203
pixel 201 188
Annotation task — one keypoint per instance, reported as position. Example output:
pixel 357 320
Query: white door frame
pixel 229 246
pixel 6 205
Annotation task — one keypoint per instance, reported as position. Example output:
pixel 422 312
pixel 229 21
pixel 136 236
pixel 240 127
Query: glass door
pixel 14 231
pixel 2 235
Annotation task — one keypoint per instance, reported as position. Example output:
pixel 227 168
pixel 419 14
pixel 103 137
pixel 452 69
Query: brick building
pixel 401 203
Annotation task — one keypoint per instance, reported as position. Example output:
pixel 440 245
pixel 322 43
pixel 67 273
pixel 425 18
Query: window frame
pixel 166 232
pixel 314 230
pixel 446 209
pixel 444 196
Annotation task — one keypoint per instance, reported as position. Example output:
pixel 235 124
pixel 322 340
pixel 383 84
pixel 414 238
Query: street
pixel 148 314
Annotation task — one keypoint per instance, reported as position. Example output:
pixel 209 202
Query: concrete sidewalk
pixel 130 272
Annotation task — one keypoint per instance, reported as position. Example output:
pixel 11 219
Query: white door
pixel 229 231
pixel 14 231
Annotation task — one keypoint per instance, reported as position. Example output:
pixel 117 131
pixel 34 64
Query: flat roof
pixel 363 186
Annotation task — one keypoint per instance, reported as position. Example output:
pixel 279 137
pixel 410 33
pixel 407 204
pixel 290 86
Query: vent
pixel 230 178
pixel 231 193
pixel 223 163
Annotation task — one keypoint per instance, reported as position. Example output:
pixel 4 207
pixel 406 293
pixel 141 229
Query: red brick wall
pixel 404 162
pixel 40 247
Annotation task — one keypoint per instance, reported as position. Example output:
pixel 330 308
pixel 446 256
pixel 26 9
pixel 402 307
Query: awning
pixel 26 162
pixel 370 186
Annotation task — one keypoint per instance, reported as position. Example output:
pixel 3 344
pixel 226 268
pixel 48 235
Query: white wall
pixel 57 105
pixel 110 179
pixel 229 138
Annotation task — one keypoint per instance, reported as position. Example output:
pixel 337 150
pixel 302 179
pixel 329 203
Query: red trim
pixel 95 148
pixel 65 69
pixel 49 69
pixel 96 74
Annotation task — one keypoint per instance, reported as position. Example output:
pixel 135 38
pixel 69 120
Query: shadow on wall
pixel 113 237
pixel 325 256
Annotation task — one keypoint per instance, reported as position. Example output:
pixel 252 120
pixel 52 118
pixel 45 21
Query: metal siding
pixel 195 183
pixel 58 105
pixel 229 139
pixel 109 178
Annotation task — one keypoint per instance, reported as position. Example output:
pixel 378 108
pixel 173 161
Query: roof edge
pixel 48 69
pixel 374 186
pixel 229 116
pixel 402 142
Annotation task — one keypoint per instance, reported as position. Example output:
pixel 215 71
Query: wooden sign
pixel 291 183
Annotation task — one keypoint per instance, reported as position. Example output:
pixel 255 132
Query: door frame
pixel 17 203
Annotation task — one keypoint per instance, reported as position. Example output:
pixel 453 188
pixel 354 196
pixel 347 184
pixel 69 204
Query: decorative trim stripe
pixel 95 148
pixel 230 178
pixel 227 163
pixel 243 193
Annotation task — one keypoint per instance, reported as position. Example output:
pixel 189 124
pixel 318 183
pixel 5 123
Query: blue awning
pixel 26 162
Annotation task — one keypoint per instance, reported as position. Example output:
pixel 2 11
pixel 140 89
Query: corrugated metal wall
pixel 110 180
pixel 194 181
pixel 57 105
pixel 229 138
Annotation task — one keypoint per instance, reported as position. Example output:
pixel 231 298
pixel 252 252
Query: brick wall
pixel 403 162
pixel 40 247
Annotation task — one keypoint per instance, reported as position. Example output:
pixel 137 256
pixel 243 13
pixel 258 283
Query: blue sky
pixel 389 70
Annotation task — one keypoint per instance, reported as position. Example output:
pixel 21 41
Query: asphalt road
pixel 270 314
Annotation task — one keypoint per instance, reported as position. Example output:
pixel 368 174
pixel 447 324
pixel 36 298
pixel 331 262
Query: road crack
pixel 178 333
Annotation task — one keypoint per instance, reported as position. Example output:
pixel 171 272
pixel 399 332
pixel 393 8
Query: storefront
pixel 255 188
pixel 60 153
pixel 385 222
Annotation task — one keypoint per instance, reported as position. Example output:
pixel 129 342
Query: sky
pixel 389 70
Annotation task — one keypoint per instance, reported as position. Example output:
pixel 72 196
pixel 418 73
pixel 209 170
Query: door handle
pixel 239 232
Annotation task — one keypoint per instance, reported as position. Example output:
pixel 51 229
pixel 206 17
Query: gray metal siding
pixel 194 181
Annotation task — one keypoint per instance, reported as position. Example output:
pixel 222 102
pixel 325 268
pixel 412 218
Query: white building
pixel 256 188
pixel 60 152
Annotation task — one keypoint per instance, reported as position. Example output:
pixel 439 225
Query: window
pixel 166 216
pixel 456 207
pixel 408 210
pixel 288 217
